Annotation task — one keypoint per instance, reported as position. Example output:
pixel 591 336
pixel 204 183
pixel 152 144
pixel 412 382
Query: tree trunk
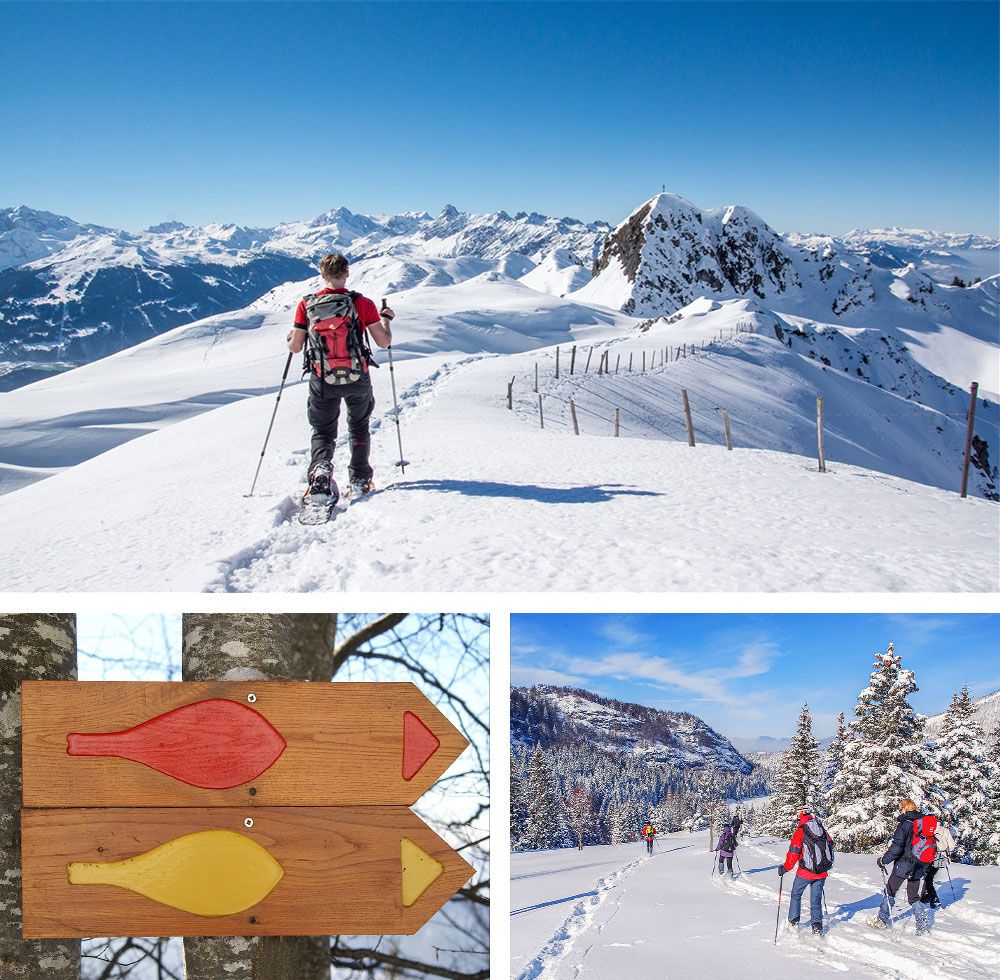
pixel 32 647
pixel 254 646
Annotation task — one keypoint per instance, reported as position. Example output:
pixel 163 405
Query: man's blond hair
pixel 907 806
pixel 333 266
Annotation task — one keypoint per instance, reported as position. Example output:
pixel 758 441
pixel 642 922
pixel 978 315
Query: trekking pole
pixel 777 918
pixel 402 464
pixel 888 901
pixel 712 875
pixel 737 860
pixel 947 868
pixel 281 387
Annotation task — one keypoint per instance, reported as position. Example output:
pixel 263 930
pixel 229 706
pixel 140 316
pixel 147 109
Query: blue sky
pixel 748 675
pixel 819 116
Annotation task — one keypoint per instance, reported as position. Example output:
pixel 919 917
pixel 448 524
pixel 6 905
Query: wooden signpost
pixel 272 808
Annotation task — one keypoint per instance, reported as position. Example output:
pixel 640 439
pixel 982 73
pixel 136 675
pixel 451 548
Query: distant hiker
pixel 331 326
pixel 811 847
pixel 737 823
pixel 727 848
pixel 945 844
pixel 648 833
pixel 912 850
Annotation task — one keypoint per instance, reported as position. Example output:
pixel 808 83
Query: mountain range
pixel 73 292
pixel 545 715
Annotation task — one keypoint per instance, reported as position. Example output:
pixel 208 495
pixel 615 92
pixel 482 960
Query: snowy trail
pixel 650 917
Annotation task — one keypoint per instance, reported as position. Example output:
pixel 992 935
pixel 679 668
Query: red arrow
pixel 213 744
pixel 419 744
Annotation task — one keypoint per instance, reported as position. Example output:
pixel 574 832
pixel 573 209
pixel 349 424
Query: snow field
pixel 613 911
pixel 489 503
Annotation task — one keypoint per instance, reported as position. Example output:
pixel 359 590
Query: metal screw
pixel 251 698
pixel 253 919
pixel 248 822
pixel 253 792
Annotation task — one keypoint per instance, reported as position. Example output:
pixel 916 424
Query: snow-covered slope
pixel 544 715
pixel 987 715
pixel 612 911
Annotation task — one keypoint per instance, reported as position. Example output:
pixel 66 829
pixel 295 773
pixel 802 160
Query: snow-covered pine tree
pixel 796 781
pixel 541 828
pixel 885 762
pixel 581 811
pixel 989 852
pixel 518 805
pixel 834 760
pixel 961 756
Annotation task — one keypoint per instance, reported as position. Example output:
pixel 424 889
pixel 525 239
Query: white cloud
pixel 521 676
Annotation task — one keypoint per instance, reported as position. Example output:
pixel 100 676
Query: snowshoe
pixel 818 929
pixel 320 498
pixel 878 923
pixel 359 488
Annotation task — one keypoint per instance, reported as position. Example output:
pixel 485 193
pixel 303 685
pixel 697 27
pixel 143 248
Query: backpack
pixel 335 350
pixel 817 848
pixel 728 841
pixel 923 847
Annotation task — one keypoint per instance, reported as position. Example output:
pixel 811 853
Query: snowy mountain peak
pixel 546 715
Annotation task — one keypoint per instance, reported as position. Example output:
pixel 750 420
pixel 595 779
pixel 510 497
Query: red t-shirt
pixel 365 307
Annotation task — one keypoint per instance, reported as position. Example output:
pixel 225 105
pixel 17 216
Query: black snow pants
pixel 324 415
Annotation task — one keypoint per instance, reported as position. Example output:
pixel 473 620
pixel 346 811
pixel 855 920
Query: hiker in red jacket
pixel 648 833
pixel 811 848
pixel 333 323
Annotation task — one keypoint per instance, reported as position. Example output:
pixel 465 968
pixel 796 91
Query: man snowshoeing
pixel 331 326
pixel 811 847
pixel 648 833
pixel 727 848
pixel 912 850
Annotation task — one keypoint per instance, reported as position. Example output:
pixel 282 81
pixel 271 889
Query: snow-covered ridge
pixel 547 715
pixel 986 713
pixel 669 252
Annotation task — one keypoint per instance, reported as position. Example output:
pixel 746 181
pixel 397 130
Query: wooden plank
pixel 346 743
pixel 342 871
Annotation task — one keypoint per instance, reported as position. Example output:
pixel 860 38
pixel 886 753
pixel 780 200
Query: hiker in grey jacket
pixel 945 844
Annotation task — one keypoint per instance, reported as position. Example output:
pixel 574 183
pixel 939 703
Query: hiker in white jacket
pixel 945 843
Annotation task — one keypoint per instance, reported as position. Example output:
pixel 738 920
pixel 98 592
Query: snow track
pixel 669 915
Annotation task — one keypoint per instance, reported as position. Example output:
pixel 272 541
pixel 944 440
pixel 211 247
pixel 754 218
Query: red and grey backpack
pixel 924 847
pixel 817 847
pixel 335 347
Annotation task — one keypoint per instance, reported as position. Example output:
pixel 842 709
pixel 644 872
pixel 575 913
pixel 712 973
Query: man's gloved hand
pixel 781 870
pixel 881 866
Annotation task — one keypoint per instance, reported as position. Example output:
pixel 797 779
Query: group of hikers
pixel 918 850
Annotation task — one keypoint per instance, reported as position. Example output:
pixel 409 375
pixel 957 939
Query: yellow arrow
pixel 420 871
pixel 210 873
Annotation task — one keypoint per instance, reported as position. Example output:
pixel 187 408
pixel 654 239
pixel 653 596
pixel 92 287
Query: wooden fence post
pixel 541 418
pixel 618 360
pixel 725 422
pixel 630 362
pixel 617 420
pixel 572 360
pixel 572 412
pixel 557 364
pixel 536 375
pixel 819 435
pixel 643 362
pixel 591 351
pixel 968 438
pixel 510 394
pixel 687 416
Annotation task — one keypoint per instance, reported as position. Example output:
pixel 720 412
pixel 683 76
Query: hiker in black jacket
pixel 906 867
